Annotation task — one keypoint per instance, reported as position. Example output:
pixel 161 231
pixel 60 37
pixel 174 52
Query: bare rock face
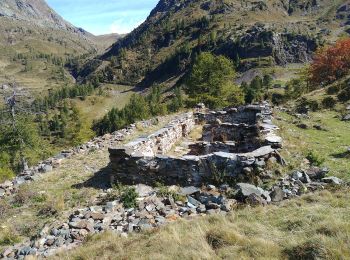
pixel 37 12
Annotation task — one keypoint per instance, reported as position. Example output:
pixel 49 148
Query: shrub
pixel 328 102
pixel 129 197
pixel 163 191
pixel 315 159
pixel 344 95
pixel 313 105
pixel 304 104
pixel 331 63
pixel 9 238
pixel 332 90
pixel 277 98
pixel 6 174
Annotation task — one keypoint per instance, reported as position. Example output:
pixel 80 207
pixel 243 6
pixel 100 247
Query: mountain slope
pixel 252 33
pixel 35 43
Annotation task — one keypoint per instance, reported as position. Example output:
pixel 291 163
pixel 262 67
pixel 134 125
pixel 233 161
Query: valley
pixel 213 130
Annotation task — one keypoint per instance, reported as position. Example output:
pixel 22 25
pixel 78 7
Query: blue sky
pixel 104 16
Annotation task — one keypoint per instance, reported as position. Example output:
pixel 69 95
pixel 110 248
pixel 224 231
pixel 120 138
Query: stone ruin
pixel 236 144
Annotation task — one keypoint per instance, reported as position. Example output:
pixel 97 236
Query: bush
pixel 331 63
pixel 332 90
pixel 129 197
pixel 6 174
pixel 328 102
pixel 313 105
pixel 315 159
pixel 344 95
pixel 9 238
pixel 163 191
pixel 277 98
pixel 303 105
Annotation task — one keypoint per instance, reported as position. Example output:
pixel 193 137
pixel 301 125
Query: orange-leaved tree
pixel 331 63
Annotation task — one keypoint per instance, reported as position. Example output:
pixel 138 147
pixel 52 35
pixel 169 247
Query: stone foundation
pixel 236 144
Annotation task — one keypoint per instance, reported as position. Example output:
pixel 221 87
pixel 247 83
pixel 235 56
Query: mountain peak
pixel 37 12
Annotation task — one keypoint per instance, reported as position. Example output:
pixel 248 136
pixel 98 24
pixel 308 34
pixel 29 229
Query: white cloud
pixel 124 25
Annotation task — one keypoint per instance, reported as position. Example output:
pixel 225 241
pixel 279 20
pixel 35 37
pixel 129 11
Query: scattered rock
pixel 144 190
pixel 332 180
pixel 189 190
pixel 245 190
pixel 346 117
pixel 277 194
pixel 302 126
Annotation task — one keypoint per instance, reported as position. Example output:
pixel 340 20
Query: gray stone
pixel 47 168
pixel 277 194
pixel 160 220
pixel 332 180
pixel 316 173
pixel 193 201
pixel 346 117
pixel 25 250
pixel 188 190
pixel 245 189
pixel 297 175
pixel 212 187
pixel 144 190
pixel 255 200
pixel 228 205
pixel 2 192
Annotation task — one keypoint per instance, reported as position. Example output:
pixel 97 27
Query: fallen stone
pixel 94 216
pixel 193 201
pixel 245 189
pixel 346 117
pixel 188 190
pixel 255 200
pixel 46 168
pixel 144 190
pixel 277 194
pixel 332 180
pixel 316 173
pixel 228 205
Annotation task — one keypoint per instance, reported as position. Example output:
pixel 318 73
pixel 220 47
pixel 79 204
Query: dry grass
pixel 313 227
pixel 51 199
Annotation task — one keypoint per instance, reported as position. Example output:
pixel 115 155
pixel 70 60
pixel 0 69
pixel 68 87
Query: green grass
pixel 331 144
pixel 96 106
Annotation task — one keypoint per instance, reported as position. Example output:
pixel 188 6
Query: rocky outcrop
pixel 36 12
pixel 265 42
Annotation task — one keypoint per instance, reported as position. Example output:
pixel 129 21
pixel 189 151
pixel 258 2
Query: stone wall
pixel 163 140
pixel 143 161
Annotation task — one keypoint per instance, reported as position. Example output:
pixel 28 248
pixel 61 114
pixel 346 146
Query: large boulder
pixel 244 190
